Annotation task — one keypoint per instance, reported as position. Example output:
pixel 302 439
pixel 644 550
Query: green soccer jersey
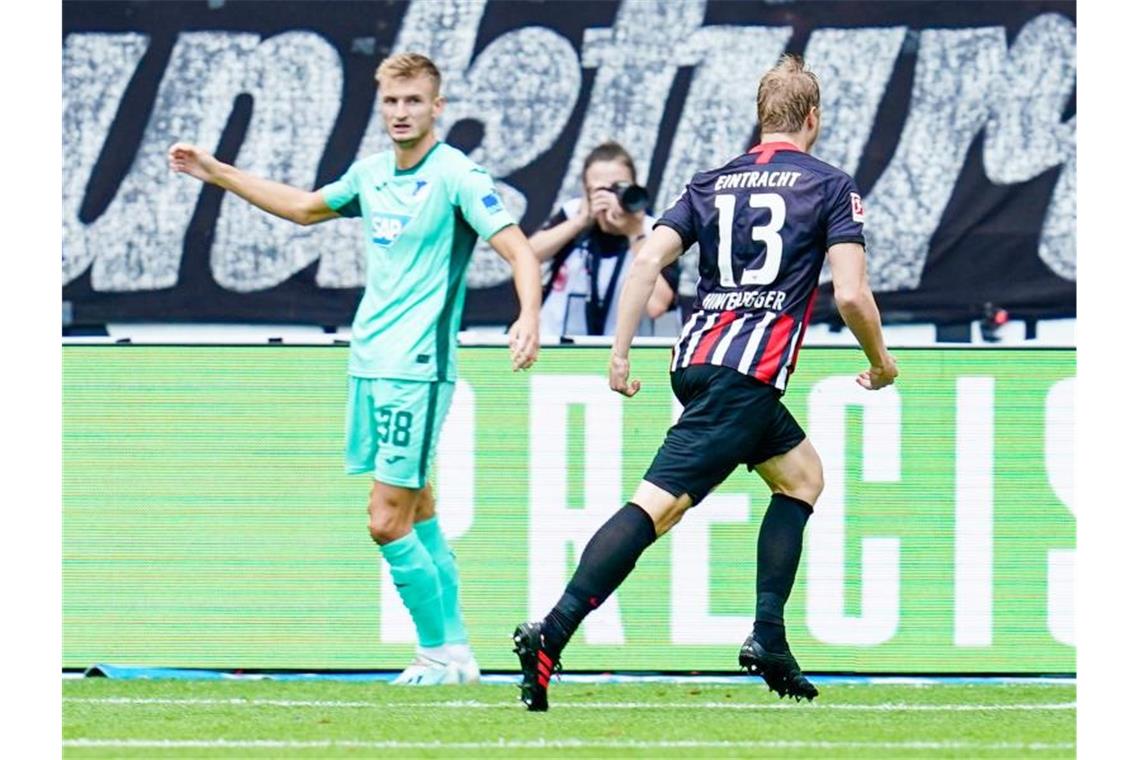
pixel 420 226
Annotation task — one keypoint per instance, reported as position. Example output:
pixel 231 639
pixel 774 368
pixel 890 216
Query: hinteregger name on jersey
pixel 756 179
pixel 748 299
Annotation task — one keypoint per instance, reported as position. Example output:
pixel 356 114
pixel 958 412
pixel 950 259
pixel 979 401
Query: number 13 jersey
pixel 763 223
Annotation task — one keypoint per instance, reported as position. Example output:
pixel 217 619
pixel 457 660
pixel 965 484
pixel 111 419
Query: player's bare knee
pixel 797 473
pixel 665 521
pixel 386 526
pixel 663 508
pixel 389 514
pixel 383 533
pixel 812 488
pixel 806 485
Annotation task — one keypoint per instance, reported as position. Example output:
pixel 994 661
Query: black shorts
pixel 729 419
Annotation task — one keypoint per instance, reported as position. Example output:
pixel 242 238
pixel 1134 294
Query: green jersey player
pixel 422 207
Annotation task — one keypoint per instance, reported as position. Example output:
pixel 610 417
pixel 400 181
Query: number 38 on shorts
pixel 393 427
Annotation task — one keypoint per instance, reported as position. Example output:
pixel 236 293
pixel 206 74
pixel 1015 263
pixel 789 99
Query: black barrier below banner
pixel 957 121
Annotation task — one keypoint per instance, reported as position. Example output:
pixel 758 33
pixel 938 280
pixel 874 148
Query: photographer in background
pixel 591 242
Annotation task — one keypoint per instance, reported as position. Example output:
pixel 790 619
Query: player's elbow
pixel 644 272
pixel 309 209
pixel 648 263
pixel 540 246
pixel 306 216
pixel 849 298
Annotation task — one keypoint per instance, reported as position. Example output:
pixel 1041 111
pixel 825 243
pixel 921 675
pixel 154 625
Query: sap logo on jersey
pixel 387 227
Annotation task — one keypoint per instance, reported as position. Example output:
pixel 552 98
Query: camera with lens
pixel 631 197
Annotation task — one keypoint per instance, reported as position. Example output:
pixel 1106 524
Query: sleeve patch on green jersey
pixel 492 202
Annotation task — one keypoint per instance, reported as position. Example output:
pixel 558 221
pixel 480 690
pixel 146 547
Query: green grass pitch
pixel 250 718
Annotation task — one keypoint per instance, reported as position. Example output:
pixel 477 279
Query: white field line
pixel 471 704
pixel 554 744
pixel 236 702
pixel 498 678
pixel 915 681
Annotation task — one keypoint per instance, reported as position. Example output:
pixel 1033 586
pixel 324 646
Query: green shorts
pixel 392 427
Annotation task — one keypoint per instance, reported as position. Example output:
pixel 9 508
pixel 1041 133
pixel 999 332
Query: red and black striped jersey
pixel 763 223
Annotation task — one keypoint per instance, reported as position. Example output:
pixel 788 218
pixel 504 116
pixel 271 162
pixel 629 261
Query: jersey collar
pixel 413 169
pixel 765 151
pixel 774 146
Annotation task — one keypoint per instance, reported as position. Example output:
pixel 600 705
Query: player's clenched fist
pixel 879 377
pixel 619 377
pixel 190 159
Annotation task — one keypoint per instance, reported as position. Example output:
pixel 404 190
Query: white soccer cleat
pixel 462 660
pixel 426 671
pixel 466 671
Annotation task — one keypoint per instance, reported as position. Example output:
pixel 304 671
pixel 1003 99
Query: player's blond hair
pixel 786 95
pixel 409 66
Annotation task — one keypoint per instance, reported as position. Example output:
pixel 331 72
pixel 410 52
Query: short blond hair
pixel 786 95
pixel 409 66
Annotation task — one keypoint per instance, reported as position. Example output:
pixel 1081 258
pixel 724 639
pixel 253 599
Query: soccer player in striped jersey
pixel 763 223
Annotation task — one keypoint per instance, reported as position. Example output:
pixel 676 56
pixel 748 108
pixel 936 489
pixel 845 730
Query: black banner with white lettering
pixel 957 121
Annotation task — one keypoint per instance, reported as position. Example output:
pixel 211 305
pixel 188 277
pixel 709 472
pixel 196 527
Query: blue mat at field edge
pixel 133 672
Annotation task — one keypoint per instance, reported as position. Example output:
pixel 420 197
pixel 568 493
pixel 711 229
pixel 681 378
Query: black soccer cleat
pixel 780 671
pixel 537 666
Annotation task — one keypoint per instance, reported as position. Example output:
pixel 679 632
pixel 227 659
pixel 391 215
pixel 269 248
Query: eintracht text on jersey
pixel 763 223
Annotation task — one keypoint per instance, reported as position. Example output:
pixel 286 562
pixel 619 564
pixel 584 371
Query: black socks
pixel 613 551
pixel 778 549
pixel 606 561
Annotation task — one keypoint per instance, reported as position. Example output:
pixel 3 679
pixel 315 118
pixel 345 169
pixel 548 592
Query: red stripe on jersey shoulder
pixel 777 342
pixel 709 339
pixel 765 151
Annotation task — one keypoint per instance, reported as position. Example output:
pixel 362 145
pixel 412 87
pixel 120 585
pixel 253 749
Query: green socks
pixel 433 541
pixel 425 574
pixel 418 582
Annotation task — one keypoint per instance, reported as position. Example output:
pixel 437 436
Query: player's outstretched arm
pixel 513 247
pixel 661 249
pixel 285 201
pixel 856 305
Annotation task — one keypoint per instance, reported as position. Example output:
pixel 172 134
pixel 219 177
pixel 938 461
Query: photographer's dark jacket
pixel 581 294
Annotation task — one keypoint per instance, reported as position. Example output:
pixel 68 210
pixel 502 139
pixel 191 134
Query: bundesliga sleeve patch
pixel 491 202
pixel 856 208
